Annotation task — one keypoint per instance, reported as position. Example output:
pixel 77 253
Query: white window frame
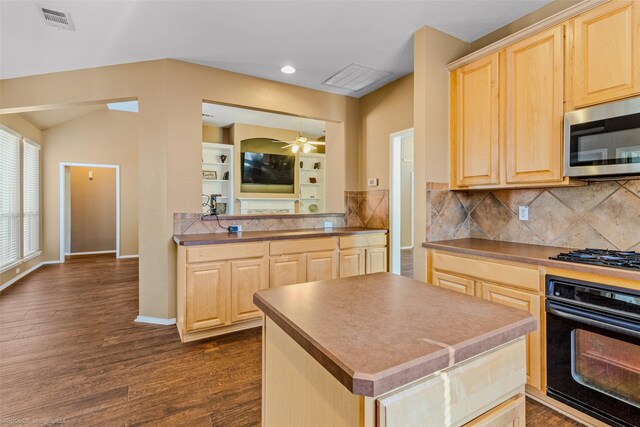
pixel 37 251
pixel 20 190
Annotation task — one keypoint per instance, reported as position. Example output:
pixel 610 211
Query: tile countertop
pixel 526 254
pixel 256 236
pixel 381 331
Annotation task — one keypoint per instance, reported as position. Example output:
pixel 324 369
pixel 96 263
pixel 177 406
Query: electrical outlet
pixel 235 229
pixel 328 224
pixel 17 270
pixel 523 213
pixel 372 182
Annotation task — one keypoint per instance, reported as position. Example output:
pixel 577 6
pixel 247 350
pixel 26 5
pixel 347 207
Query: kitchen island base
pixel 486 390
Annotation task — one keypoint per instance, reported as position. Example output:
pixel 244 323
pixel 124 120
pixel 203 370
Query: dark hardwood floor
pixel 406 262
pixel 70 353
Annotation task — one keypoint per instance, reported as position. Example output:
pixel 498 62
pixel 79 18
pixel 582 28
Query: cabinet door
pixel 475 131
pixel 287 270
pixel 322 266
pixel 247 277
pixel 534 108
pixel 454 283
pixel 606 62
pixel 510 413
pixel 351 262
pixel 376 260
pixel 523 301
pixel 206 296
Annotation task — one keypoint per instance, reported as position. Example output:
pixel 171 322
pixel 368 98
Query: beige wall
pixel 93 209
pixel 170 94
pixel 26 129
pixel 432 50
pixel 106 137
pixel 381 113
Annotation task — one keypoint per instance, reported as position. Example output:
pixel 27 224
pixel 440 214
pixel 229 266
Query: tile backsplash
pixel 367 208
pixel 188 223
pixel 600 215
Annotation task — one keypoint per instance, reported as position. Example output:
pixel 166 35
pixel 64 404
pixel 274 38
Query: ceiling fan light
pixel 295 148
pixel 306 148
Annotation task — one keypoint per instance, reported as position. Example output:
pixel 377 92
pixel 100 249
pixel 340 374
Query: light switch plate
pixel 523 213
pixel 372 182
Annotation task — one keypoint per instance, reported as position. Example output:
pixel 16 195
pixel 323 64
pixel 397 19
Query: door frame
pixel 395 165
pixel 63 196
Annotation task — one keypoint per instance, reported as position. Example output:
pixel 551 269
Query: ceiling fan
pixel 302 143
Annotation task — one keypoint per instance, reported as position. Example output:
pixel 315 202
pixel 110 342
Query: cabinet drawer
pixel 362 241
pixel 297 246
pixel 513 275
pixel 465 392
pixel 509 413
pixel 226 251
pixel 454 283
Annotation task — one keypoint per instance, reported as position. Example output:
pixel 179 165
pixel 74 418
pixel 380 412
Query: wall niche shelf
pixel 312 193
pixel 211 153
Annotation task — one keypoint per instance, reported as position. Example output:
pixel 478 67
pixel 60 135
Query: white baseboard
pixel 90 253
pixel 51 262
pixel 20 276
pixel 156 320
pixel 406 247
pixel 128 256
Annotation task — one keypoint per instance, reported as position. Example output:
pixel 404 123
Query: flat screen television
pixel 267 169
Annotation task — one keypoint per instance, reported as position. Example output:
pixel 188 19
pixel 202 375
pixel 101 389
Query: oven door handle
pixel 617 325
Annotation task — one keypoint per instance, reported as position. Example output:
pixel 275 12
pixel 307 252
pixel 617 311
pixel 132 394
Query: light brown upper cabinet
pixel 534 108
pixel 474 113
pixel 606 53
pixel 507 115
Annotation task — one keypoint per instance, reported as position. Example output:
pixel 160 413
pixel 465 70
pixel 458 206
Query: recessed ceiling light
pixel 288 69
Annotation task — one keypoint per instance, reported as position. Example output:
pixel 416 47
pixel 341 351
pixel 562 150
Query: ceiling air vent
pixel 355 77
pixel 56 18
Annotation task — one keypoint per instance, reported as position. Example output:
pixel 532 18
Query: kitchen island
pixel 381 349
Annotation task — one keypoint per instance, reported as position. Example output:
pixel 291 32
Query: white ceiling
pixel 224 116
pixel 252 37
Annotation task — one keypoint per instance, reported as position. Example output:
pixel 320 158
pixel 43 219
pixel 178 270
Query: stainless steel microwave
pixel 603 140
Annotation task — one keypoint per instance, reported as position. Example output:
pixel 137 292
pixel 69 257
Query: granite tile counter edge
pixel 249 236
pixel 531 260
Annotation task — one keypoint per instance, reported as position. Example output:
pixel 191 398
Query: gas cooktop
pixel 604 257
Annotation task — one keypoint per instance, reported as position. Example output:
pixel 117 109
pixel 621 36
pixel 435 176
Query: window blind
pixel 9 198
pixel 30 198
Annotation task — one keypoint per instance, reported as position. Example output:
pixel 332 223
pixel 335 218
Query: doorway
pixel 401 203
pixel 89 209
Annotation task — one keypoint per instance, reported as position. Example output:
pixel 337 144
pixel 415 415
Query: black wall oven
pixel 593 349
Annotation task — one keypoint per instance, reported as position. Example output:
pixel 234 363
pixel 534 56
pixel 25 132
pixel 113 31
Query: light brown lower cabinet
pixel 206 296
pixel 287 270
pixel 363 254
pixel 508 414
pixel 520 286
pixel 351 262
pixel 216 282
pixel 376 260
pixel 322 266
pixel 454 283
pixel 247 277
